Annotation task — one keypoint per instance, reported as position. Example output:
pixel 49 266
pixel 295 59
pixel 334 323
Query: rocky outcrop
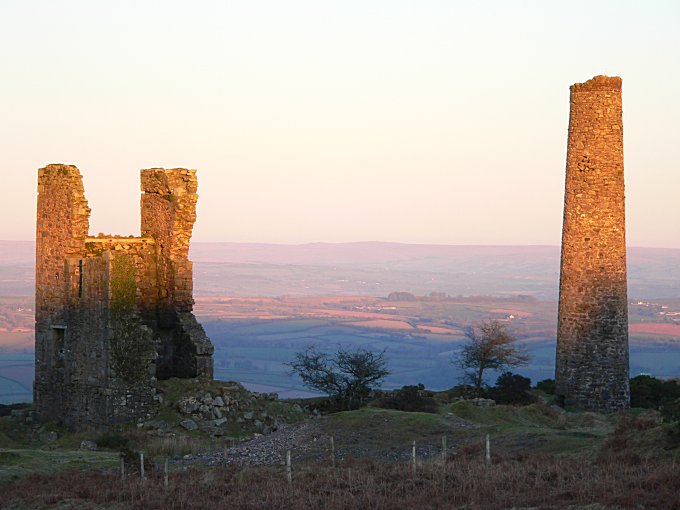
pixel 218 408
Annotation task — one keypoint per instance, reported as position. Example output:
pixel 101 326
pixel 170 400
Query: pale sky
pixel 330 121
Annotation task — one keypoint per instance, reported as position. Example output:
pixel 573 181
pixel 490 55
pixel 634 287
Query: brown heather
pixel 535 482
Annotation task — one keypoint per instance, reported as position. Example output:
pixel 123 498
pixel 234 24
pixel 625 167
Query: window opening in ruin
pixel 80 278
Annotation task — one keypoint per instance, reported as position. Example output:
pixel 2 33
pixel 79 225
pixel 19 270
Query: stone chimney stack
pixel 592 337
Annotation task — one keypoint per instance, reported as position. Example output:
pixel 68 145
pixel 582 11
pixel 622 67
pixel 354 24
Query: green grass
pixel 533 429
pixel 395 419
pixel 15 435
pixel 537 415
pixel 387 434
pixel 533 415
pixel 25 450
pixel 15 463
pixel 367 433
pixel 538 428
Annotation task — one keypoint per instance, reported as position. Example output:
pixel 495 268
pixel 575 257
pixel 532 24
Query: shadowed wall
pixel 113 313
pixel 592 337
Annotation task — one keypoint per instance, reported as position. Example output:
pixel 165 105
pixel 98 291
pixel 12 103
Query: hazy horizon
pixel 369 241
pixel 374 268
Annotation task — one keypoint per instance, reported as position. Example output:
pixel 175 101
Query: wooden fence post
pixel 443 449
pixel 141 464
pixel 289 468
pixel 413 458
pixel 332 451
pixel 165 474
pixel 488 449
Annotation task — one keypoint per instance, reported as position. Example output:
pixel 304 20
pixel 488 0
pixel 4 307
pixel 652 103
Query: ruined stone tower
pixel 113 314
pixel 592 336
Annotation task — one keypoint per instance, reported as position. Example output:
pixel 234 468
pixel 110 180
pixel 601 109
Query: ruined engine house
pixel 113 314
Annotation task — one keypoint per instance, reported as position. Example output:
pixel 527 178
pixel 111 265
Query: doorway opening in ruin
pixel 58 335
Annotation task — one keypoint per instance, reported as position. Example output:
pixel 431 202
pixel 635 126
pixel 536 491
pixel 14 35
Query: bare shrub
pixel 490 346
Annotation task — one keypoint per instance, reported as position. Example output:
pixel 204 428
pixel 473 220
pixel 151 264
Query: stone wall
pixel 168 215
pixel 62 225
pixel 592 338
pixel 113 313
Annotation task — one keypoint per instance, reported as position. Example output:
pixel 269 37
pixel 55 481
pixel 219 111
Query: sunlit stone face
pixel 113 313
pixel 592 337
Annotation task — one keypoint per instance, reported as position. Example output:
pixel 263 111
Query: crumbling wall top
pixel 600 82
pixel 61 193
pixel 120 239
pixel 58 170
pixel 95 246
pixel 176 181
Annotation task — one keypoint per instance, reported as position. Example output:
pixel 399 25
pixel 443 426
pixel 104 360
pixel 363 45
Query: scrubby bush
pixel 673 433
pixel 409 398
pixel 6 409
pixel 628 431
pixel 651 393
pixel 511 389
pixel 546 386
pixel 113 441
pixel 348 376
pixel 119 443
pixel 462 391
pixel 324 405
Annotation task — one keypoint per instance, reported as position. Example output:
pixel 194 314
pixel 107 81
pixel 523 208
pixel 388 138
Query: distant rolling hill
pixel 377 268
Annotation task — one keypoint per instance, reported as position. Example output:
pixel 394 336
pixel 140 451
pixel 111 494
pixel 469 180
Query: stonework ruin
pixel 592 336
pixel 113 314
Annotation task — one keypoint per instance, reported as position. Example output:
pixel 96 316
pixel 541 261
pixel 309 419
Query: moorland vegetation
pixel 541 455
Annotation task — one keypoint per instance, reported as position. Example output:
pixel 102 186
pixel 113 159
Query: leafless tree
pixel 347 375
pixel 489 346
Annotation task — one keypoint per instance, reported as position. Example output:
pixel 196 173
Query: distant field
pixel 17 340
pixel 263 303
pixel 664 329
pixel 254 354
pixel 420 337
pixel 255 337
